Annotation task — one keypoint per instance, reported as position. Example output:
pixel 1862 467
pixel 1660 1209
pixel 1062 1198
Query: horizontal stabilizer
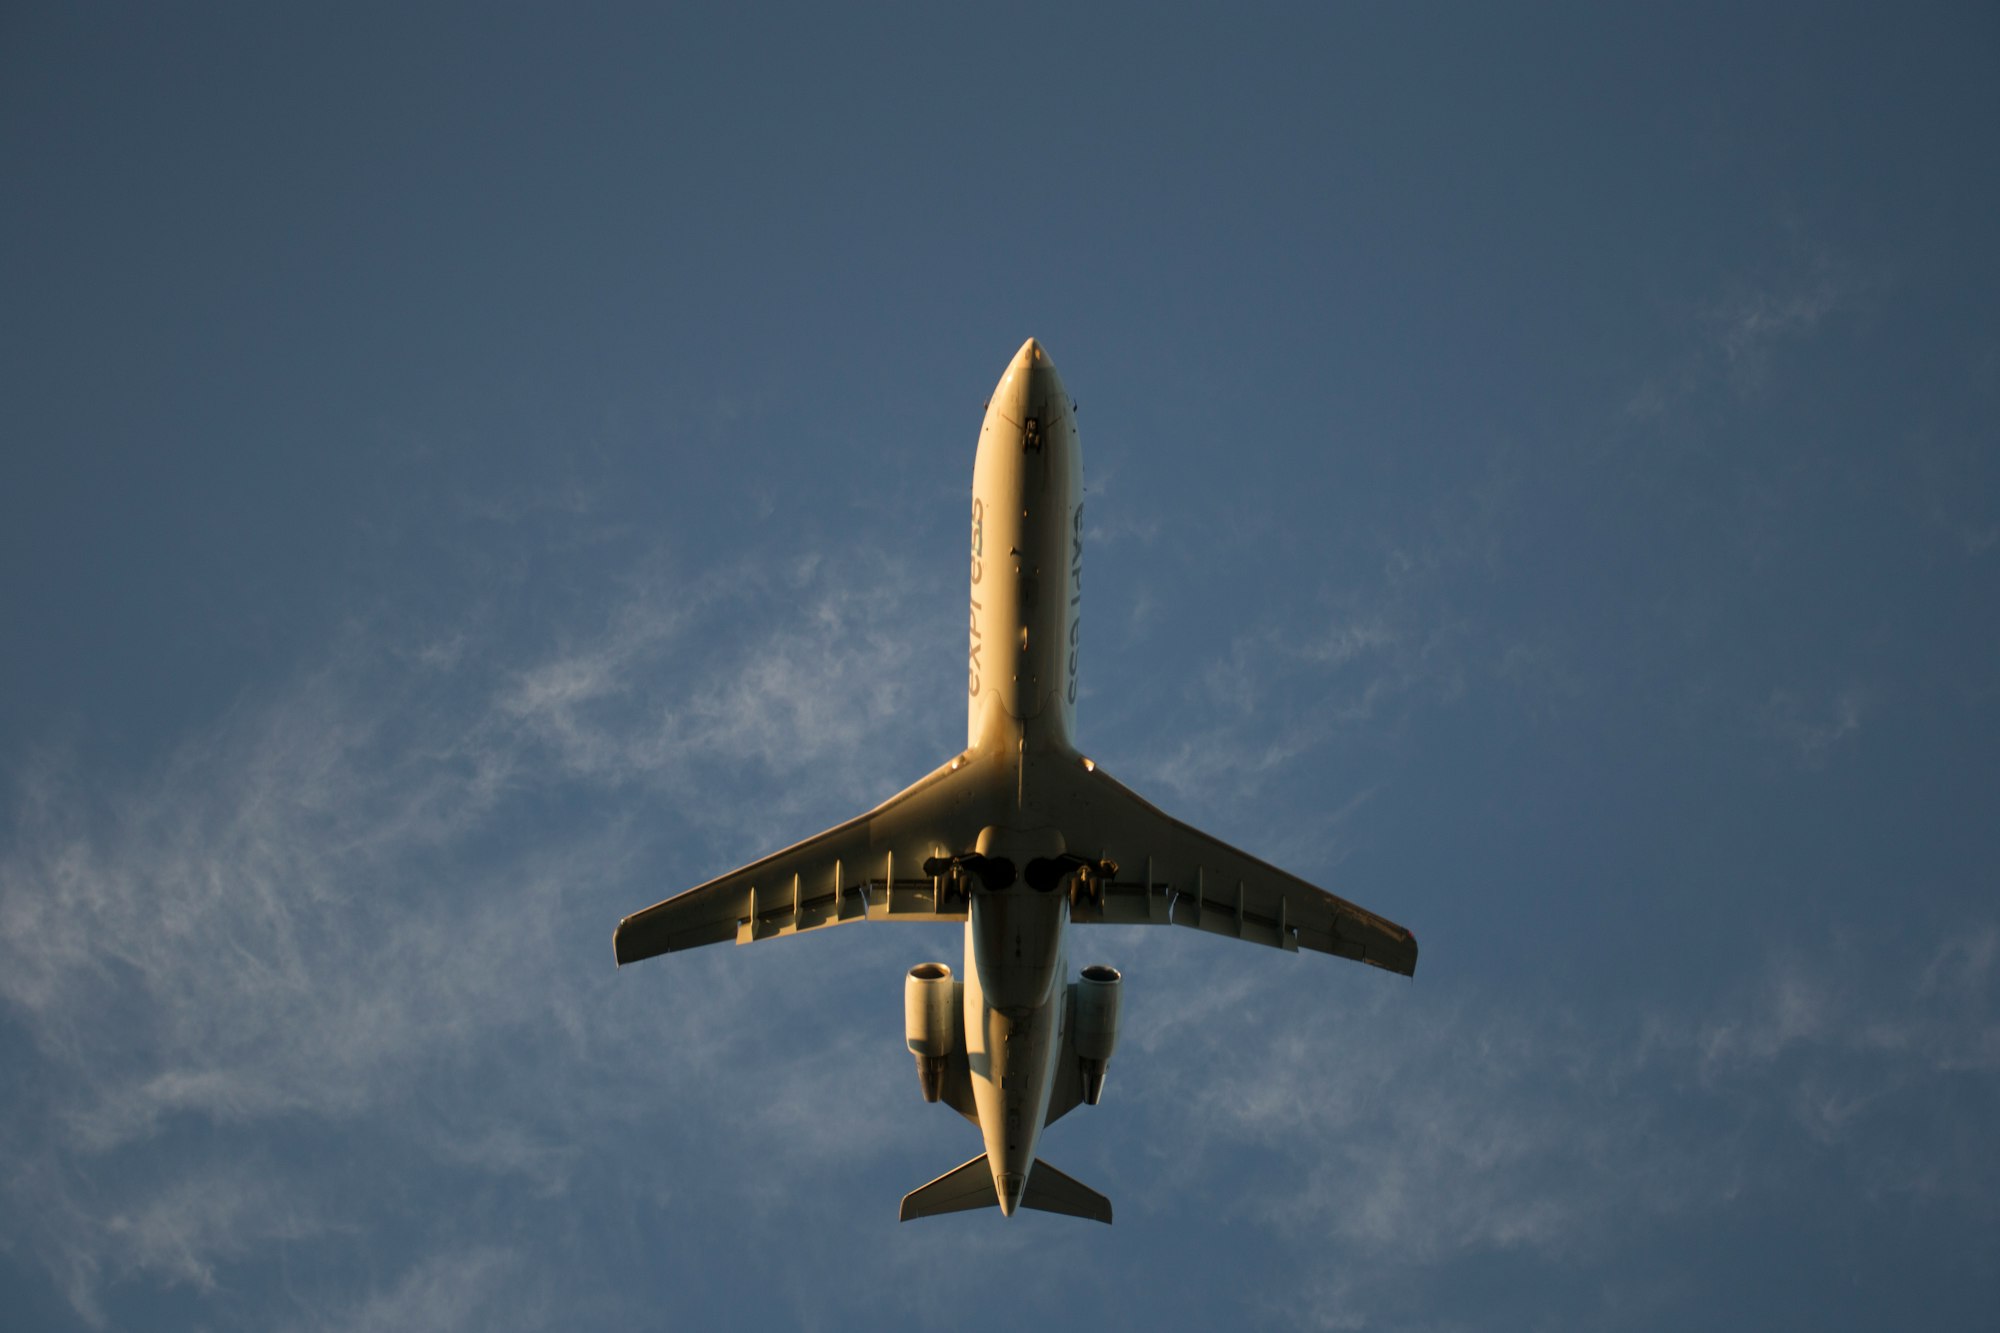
pixel 968 1186
pixel 971 1186
pixel 1053 1192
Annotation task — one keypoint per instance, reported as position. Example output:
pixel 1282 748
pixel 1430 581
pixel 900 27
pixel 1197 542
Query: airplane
pixel 1020 836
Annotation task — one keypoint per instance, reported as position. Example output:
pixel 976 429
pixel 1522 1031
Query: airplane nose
pixel 1030 387
pixel 1029 393
pixel 1033 357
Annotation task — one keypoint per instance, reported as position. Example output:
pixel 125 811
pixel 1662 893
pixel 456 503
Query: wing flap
pixel 1133 902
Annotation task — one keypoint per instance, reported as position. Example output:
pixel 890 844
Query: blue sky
pixel 471 472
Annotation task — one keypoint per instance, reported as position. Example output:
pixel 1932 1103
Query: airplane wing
pixel 870 868
pixel 1169 872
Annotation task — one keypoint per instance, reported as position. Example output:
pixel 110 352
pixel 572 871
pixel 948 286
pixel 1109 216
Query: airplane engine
pixel 1096 1026
pixel 930 1026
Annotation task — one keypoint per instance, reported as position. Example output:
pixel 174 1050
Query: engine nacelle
pixel 1096 1032
pixel 930 1026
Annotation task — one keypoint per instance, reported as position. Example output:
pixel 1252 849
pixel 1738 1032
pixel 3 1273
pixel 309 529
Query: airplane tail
pixel 971 1186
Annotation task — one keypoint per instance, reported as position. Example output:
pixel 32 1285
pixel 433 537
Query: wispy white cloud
pixel 1812 729
pixel 1410 1131
pixel 182 1231
pixel 829 673
pixel 319 925
pixel 333 933
pixel 1288 689
pixel 1745 327
pixel 474 1287
pixel 1108 523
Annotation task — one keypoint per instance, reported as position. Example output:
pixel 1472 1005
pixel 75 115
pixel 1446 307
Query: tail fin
pixel 971 1186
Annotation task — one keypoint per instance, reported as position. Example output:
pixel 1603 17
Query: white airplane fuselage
pixel 1021 662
